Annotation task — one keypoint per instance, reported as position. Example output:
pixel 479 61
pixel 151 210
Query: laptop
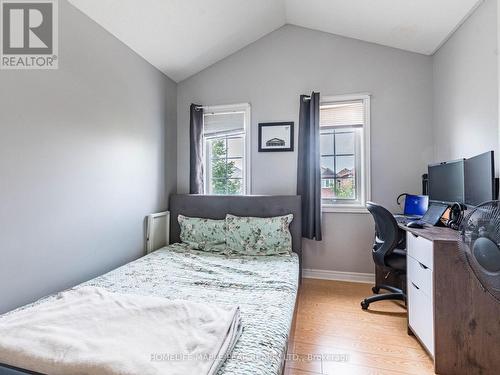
pixel 415 208
pixel 432 216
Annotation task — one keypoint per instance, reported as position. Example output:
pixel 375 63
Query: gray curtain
pixel 308 166
pixel 196 185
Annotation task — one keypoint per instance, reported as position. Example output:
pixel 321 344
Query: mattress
pixel 265 288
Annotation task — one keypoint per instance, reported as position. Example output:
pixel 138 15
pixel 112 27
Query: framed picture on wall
pixel 276 136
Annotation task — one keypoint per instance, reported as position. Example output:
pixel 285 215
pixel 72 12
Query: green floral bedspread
pixel 264 287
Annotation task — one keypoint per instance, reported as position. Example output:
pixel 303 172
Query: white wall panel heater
pixel 158 231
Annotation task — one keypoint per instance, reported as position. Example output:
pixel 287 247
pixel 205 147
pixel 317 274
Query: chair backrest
pixel 387 232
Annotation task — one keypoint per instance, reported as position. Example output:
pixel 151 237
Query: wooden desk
pixel 463 321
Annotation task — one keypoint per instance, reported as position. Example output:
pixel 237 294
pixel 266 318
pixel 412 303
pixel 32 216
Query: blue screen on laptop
pixel 416 205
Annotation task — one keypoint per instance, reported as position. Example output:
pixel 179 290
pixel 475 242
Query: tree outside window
pixel 224 179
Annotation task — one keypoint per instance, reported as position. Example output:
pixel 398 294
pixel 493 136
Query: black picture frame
pixel 263 125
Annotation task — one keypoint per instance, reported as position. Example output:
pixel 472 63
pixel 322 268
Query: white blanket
pixel 92 331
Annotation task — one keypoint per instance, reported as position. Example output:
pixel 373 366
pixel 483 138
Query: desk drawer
pixel 420 249
pixel 420 275
pixel 420 316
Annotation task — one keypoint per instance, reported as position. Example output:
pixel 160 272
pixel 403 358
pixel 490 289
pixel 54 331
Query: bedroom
pixel 92 145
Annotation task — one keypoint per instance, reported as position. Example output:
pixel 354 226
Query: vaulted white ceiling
pixel 182 37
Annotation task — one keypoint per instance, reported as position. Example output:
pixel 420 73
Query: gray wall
pixel 466 88
pixel 83 153
pixel 271 74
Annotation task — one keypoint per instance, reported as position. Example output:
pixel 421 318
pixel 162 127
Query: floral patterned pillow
pixel 258 236
pixel 203 234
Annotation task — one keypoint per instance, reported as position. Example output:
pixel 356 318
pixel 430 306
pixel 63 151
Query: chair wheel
pixel 375 290
pixel 364 305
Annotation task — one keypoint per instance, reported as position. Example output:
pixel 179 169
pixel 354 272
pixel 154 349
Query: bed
pixel 265 287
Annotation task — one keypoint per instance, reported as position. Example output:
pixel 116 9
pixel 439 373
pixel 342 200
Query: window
pixel 344 150
pixel 225 134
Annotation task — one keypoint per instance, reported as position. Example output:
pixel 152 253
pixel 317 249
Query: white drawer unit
pixel 420 316
pixel 420 249
pixel 420 290
pixel 420 275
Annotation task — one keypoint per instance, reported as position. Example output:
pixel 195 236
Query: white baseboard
pixel 355 277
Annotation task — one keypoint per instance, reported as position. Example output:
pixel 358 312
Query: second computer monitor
pixel 480 179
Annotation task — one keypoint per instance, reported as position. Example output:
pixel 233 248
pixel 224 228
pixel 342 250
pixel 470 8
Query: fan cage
pixel 481 221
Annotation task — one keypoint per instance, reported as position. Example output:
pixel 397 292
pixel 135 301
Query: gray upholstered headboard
pixel 217 206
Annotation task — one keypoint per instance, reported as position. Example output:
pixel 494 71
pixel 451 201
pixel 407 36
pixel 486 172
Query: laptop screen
pixel 416 205
pixel 434 213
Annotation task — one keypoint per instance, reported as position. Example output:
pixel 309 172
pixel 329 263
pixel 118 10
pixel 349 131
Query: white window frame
pixel 244 108
pixel 365 186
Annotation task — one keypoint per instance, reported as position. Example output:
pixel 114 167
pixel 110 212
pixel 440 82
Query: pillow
pixel 258 236
pixel 203 234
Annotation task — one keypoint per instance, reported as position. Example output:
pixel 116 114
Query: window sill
pixel 354 209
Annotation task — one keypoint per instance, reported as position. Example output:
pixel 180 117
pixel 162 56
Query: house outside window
pixel 227 160
pixel 344 150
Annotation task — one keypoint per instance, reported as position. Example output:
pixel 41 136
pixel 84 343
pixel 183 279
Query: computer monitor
pixel 446 182
pixel 480 179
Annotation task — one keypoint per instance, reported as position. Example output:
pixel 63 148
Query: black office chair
pixel 388 252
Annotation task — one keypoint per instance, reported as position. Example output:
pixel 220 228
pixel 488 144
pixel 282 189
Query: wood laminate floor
pixel 333 335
